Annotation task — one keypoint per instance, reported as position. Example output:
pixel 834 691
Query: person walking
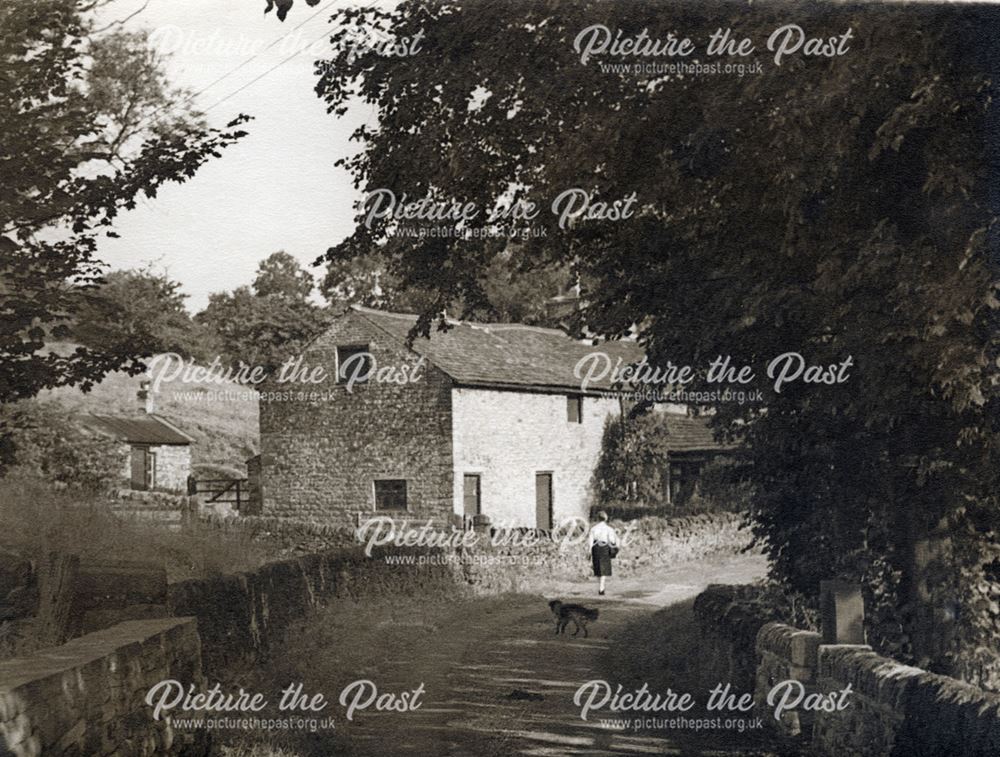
pixel 603 544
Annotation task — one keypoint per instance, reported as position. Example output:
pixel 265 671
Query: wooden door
pixel 143 469
pixel 150 470
pixel 543 501
pixel 472 495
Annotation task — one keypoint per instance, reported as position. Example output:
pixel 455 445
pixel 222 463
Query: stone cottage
pixel 482 419
pixel 157 453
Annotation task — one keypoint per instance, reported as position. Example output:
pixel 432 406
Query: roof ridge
pixel 490 325
pixel 366 312
pixel 375 311
pixel 166 422
pixel 507 354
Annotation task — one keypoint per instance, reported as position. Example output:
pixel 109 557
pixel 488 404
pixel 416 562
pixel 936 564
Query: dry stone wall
pixel 86 697
pixel 902 711
pixel 785 653
pixel 892 710
pixel 243 617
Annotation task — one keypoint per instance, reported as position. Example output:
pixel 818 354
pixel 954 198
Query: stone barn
pixel 483 419
pixel 158 453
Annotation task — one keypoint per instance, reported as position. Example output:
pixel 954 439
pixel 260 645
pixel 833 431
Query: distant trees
pixel 265 323
pixel 280 274
pixel 140 313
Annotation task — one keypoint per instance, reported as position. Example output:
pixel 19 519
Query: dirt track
pixel 499 682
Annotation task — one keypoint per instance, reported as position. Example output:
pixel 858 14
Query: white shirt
pixel 602 533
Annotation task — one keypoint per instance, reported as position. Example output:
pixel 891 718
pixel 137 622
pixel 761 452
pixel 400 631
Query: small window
pixel 574 409
pixel 354 364
pixel 390 494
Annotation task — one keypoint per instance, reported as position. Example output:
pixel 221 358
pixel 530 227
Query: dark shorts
pixel 600 554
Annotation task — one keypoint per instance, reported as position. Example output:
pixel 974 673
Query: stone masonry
pixel 893 710
pixel 173 465
pixel 507 437
pixel 87 697
pixel 320 458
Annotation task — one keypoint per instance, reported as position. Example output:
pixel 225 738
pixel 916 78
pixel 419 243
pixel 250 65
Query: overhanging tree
pixel 88 125
pixel 828 206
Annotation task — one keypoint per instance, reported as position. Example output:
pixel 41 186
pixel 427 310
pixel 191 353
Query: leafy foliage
pixel 138 313
pixel 634 460
pixel 834 207
pixel 283 6
pixel 265 324
pixel 50 447
pixel 515 292
pixel 88 131
pixel 280 274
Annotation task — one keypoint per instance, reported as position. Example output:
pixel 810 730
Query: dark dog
pixel 579 614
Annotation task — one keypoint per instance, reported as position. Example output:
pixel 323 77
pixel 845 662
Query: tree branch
pixel 119 22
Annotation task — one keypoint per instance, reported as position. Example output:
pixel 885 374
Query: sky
pixel 276 189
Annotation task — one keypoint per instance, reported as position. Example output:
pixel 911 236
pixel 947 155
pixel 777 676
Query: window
pixel 574 409
pixel 354 364
pixel 390 494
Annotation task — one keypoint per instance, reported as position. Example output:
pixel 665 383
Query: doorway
pixel 143 469
pixel 472 495
pixel 543 501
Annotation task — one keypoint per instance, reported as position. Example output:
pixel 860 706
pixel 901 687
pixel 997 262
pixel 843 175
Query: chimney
pixel 145 397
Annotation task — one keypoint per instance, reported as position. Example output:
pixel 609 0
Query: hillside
pixel 222 417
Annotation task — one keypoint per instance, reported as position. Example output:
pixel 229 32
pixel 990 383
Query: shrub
pixel 633 460
pixel 722 486
pixel 49 444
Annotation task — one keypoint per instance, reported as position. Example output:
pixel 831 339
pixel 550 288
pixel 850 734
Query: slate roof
pixel 686 434
pixel 141 429
pixel 503 354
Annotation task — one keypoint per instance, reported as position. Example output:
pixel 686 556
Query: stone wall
pixel 785 653
pixel 320 458
pixel 509 565
pixel 902 711
pixel 493 567
pixel 164 509
pixel 243 617
pixel 173 466
pixel 892 710
pixel 87 696
pixel 506 437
